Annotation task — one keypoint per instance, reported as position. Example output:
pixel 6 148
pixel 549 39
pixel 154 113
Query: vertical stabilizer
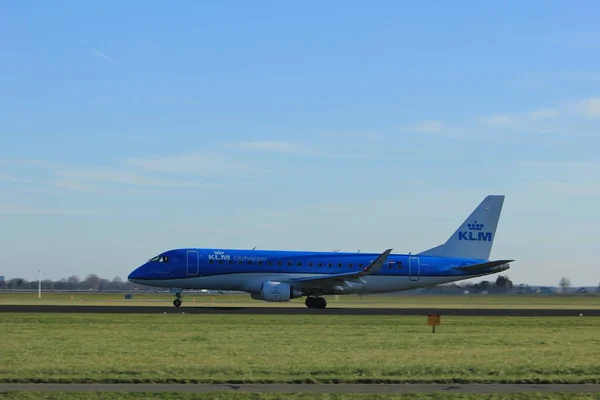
pixel 474 238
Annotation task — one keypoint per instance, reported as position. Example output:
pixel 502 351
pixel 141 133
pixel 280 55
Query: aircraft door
pixel 193 262
pixel 414 269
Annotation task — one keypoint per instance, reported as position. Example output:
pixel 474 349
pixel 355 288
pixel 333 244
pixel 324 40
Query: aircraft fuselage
pixel 246 270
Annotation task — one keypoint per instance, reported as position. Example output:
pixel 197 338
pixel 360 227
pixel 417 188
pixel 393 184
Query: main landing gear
pixel 315 302
pixel 177 301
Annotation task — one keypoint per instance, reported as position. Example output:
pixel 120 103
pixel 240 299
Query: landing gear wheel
pixel 315 302
pixel 310 302
pixel 320 302
pixel 177 301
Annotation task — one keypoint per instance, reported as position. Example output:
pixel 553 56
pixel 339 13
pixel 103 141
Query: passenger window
pixel 289 264
pixel 278 262
pixel 310 264
pixel 361 266
pixel 349 265
pixel 249 262
pixel 339 265
pixel 299 264
pixel 210 261
pixel 320 264
pixel 330 265
pixel 260 263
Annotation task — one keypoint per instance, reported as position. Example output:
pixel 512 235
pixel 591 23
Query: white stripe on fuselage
pixel 251 282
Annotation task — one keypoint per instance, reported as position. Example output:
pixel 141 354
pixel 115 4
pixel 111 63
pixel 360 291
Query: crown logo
pixel 219 252
pixel 475 226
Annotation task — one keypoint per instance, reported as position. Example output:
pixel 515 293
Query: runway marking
pixel 302 388
pixel 466 312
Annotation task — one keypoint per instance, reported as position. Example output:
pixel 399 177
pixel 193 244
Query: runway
pixel 465 312
pixel 302 388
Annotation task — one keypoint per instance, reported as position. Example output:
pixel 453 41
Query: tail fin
pixel 474 238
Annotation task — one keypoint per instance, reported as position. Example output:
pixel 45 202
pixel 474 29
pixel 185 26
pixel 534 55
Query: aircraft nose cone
pixel 136 274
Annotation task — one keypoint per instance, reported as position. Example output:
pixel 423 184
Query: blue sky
pixel 129 128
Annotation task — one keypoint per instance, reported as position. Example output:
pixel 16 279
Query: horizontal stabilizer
pixel 485 266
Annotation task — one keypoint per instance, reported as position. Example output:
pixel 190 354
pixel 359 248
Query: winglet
pixel 376 265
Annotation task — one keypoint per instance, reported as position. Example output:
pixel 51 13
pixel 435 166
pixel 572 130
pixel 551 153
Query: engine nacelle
pixel 276 292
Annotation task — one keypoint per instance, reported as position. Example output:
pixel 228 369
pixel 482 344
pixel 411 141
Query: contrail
pixel 105 57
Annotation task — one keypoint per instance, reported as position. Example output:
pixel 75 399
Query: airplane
pixel 279 276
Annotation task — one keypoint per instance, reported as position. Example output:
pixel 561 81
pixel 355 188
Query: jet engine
pixel 276 292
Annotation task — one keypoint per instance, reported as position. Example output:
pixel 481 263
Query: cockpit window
pixel 162 259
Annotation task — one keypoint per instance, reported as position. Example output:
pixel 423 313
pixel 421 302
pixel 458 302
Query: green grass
pixel 405 300
pixel 290 396
pixel 284 348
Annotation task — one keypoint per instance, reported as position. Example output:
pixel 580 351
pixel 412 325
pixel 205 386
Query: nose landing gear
pixel 177 301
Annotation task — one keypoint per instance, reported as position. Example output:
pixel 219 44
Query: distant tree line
pixel 90 282
pixel 502 285
pixel 93 282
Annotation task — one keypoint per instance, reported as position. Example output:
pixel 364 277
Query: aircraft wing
pixel 486 266
pixel 325 281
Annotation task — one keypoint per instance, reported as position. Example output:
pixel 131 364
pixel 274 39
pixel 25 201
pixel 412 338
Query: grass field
pixel 283 348
pixel 278 396
pixel 405 301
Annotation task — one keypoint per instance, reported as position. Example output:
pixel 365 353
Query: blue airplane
pixel 278 276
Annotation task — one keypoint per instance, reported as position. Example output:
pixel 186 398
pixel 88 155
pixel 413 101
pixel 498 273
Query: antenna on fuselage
pixel 358 251
pixel 254 248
